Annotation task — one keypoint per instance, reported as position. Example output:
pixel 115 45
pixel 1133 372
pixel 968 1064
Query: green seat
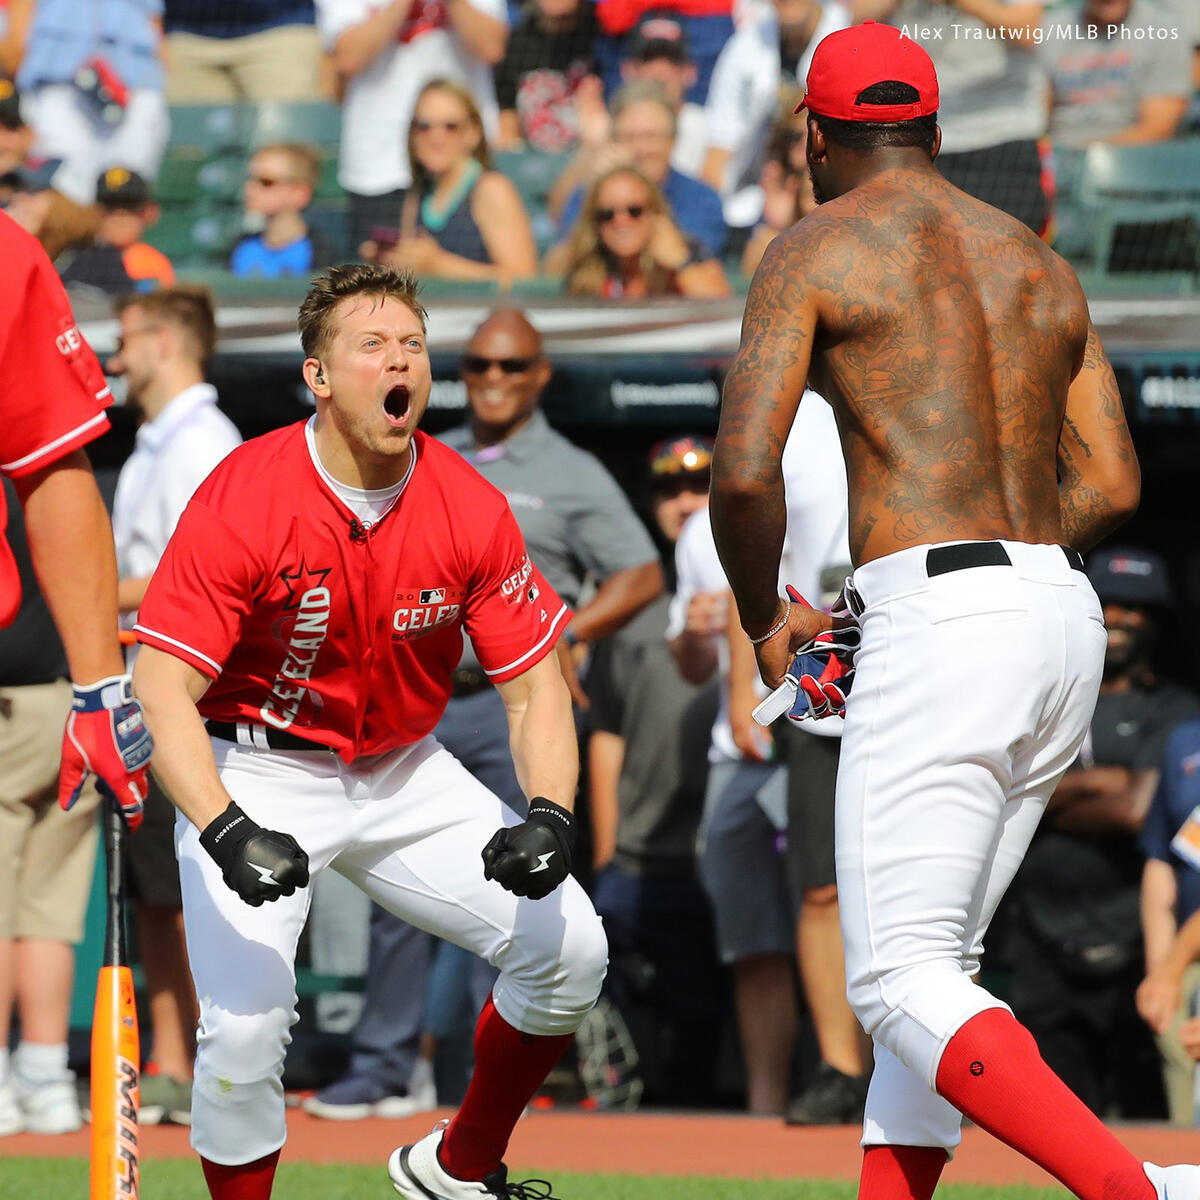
pixel 177 181
pixel 1155 186
pixel 209 126
pixel 534 173
pixel 196 233
pixel 316 123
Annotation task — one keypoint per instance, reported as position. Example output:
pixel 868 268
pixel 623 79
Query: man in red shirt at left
pixel 299 638
pixel 52 398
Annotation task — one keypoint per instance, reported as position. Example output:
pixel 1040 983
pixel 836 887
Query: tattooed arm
pixel 758 404
pixel 1099 477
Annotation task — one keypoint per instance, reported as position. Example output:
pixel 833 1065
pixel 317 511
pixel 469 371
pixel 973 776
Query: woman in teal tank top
pixel 460 219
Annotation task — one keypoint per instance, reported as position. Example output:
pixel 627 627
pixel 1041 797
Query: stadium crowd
pixel 478 142
pixel 666 158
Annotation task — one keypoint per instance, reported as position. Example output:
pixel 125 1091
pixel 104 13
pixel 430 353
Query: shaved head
pixel 505 373
pixel 508 324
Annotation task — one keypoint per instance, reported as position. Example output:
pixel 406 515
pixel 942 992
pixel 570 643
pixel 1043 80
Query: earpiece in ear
pixel 320 375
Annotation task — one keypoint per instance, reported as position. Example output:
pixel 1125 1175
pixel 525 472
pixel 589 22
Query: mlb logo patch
pixel 433 595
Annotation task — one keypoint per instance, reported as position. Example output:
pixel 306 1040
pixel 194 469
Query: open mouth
pixel 395 405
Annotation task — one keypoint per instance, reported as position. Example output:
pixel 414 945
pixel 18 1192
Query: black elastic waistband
pixel 276 739
pixel 941 560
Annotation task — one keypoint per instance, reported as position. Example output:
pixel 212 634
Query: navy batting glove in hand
pixel 259 864
pixel 106 737
pixel 533 858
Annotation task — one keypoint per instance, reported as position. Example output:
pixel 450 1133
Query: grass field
pixel 67 1179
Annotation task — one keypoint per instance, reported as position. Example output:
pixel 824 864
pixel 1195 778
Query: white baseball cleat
pixel 1174 1183
pixel 417 1174
pixel 11 1118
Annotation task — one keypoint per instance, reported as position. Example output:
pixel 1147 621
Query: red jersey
pixel 308 622
pixel 52 390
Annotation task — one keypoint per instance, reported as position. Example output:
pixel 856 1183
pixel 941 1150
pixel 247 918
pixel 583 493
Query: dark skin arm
pixel 1103 799
pixel 759 401
pixel 1099 477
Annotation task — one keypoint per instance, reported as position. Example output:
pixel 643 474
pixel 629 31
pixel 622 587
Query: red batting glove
pixel 823 670
pixel 107 737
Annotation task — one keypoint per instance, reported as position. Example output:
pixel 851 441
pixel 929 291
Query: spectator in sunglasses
pixel 279 187
pixel 787 193
pixel 625 246
pixel 460 220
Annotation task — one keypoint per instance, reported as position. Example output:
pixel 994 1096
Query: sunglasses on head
pixel 447 126
pixel 606 215
pixel 682 456
pixel 476 364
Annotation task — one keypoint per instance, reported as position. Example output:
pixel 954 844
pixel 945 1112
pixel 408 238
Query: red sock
pixel 245 1181
pixel 509 1067
pixel 991 1071
pixel 900 1172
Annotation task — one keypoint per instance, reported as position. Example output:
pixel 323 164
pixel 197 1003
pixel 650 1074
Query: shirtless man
pixel 985 447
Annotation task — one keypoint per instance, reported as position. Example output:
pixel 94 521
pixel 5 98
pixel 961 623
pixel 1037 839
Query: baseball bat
pixel 116 1070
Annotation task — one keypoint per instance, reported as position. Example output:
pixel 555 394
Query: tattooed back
pixel 947 336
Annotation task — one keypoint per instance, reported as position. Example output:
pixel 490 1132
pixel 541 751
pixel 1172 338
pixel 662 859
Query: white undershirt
pixel 367 504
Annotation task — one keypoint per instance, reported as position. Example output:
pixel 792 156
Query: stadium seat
pixel 1145 201
pixel 209 126
pixel 198 234
pixel 317 123
pixel 534 173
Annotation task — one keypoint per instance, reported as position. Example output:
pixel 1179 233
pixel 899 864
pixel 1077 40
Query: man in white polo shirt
pixel 165 339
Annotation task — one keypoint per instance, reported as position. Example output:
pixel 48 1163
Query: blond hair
pixel 304 161
pixel 588 262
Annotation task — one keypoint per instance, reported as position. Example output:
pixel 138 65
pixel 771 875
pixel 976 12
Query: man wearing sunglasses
pixel 577 524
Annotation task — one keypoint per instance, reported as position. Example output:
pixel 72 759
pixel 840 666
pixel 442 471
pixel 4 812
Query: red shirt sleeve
pixel 52 390
pixel 201 592
pixel 513 616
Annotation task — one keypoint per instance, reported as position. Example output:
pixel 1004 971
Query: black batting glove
pixel 259 864
pixel 533 858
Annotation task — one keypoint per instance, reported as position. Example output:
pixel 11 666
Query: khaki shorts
pixel 46 855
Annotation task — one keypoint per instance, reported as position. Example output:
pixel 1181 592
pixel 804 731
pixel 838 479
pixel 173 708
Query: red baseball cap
pixel 849 61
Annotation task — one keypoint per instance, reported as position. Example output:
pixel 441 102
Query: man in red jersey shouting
pixel 300 635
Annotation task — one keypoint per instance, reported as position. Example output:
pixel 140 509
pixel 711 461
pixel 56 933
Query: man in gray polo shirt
pixel 577 524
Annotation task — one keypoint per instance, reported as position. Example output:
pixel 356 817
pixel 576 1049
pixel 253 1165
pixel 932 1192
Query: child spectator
pixel 461 220
pixel 279 186
pixel 118 261
pixel 626 246
pixel 549 55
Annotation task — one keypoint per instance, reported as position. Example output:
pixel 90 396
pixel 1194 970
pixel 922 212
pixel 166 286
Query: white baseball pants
pixel 407 828
pixel 973 693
